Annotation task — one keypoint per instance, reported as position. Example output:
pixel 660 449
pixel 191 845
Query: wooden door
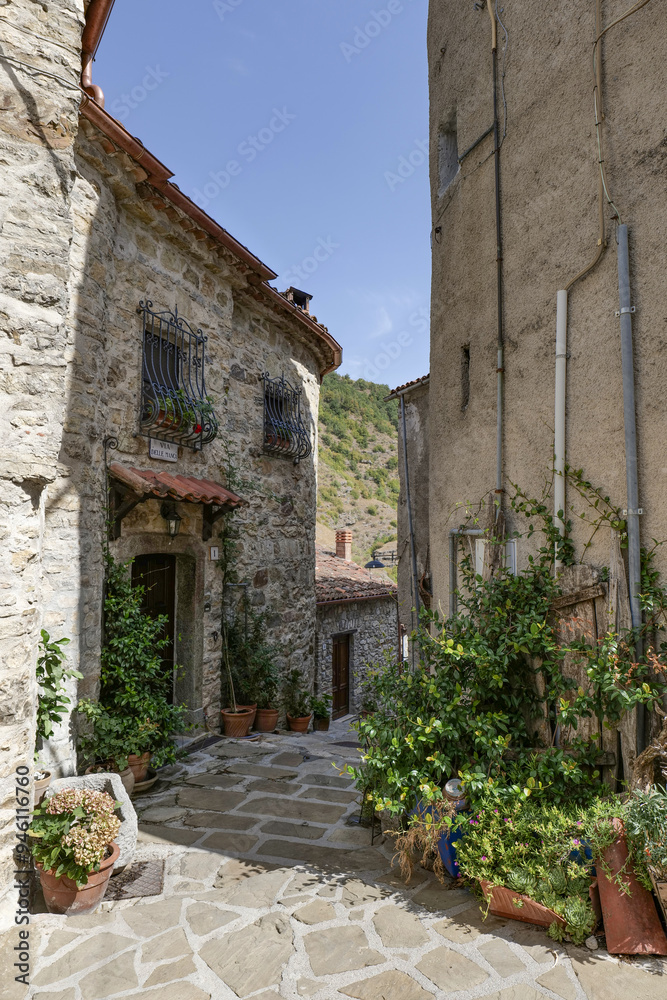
pixel 340 676
pixel 157 574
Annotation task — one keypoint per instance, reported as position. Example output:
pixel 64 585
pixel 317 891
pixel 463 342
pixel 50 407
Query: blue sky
pixel 301 127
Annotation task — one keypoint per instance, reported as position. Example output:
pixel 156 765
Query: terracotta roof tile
pixel 337 581
pixel 146 482
pixel 408 385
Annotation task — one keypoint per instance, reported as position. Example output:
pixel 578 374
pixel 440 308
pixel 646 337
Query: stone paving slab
pixel 210 799
pixel 304 831
pixel 213 780
pixel 326 917
pixel 219 821
pixel 292 809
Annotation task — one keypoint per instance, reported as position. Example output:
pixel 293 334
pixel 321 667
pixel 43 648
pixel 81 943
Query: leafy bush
pixel 295 695
pixel 534 849
pixel 372 511
pixel 134 684
pixel 251 658
pixel 71 832
pixel 51 674
pixel 645 823
pixel 321 707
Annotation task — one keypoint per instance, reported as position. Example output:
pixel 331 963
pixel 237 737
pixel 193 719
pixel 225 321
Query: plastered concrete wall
pixel 549 187
pixel 124 251
pixel 417 427
pixel 38 125
pixel 373 630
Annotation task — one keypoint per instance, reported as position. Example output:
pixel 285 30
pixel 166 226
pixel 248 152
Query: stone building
pixel 414 571
pixel 357 624
pixel 528 231
pixel 144 352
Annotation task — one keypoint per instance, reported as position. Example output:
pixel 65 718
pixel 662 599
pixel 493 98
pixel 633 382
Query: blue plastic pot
pixel 447 842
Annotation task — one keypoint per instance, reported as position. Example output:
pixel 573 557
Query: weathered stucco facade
pixel 92 227
pixel 414 397
pixel 549 224
pixel 548 214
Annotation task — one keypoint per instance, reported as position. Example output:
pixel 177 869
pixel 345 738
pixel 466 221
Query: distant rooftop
pixel 400 389
pixel 338 581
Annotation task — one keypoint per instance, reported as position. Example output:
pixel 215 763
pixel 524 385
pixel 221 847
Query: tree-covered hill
pixel 358 463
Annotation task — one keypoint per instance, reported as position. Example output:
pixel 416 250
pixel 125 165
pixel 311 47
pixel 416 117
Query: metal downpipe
pixel 559 415
pixel 500 362
pixel 632 486
pixel 413 554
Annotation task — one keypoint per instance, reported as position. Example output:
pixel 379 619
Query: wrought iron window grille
pixel 174 404
pixel 285 432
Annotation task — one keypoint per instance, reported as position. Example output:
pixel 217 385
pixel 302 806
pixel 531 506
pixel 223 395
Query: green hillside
pixel 358 463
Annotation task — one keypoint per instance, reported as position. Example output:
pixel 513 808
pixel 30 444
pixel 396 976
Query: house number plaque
pixel 163 450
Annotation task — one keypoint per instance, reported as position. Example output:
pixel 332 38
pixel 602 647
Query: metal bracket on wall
pixel 211 515
pixel 625 310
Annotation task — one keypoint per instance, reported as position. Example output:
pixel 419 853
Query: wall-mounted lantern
pixel 168 512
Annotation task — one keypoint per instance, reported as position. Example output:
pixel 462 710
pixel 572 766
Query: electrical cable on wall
pixel 502 72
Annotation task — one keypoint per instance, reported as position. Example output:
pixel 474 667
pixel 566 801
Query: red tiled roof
pixel 408 385
pixel 338 581
pixel 146 482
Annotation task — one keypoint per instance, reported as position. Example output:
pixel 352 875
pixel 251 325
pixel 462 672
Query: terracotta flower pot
pixel 41 784
pixel 62 896
pixel 299 725
pixel 138 765
pixel 126 776
pixel 249 708
pixel 237 724
pixel 266 720
pixel 631 922
pixel 321 724
pixel 514 905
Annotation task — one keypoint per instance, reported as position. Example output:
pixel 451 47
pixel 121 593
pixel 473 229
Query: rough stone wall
pixel 549 186
pixel 124 251
pixel 372 625
pixel 417 427
pixel 38 125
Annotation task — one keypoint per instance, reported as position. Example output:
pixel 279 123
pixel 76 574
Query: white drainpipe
pixel 559 417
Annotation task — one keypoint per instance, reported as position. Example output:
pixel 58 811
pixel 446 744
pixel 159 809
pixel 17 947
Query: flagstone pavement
pixel 272 891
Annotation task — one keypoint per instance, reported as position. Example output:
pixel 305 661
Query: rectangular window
pixel 174 404
pixel 284 430
pixel 448 157
pixel 465 377
pixel 510 555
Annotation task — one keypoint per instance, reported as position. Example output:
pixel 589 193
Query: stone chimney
pixel 344 545
pixel 299 298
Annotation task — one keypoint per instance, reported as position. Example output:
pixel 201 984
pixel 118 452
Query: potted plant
pixel 135 687
pixel 266 719
pixel 250 675
pixel 297 702
pixel 107 746
pixel 646 831
pixel 51 674
pixel 72 841
pixel 631 921
pixel 321 708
